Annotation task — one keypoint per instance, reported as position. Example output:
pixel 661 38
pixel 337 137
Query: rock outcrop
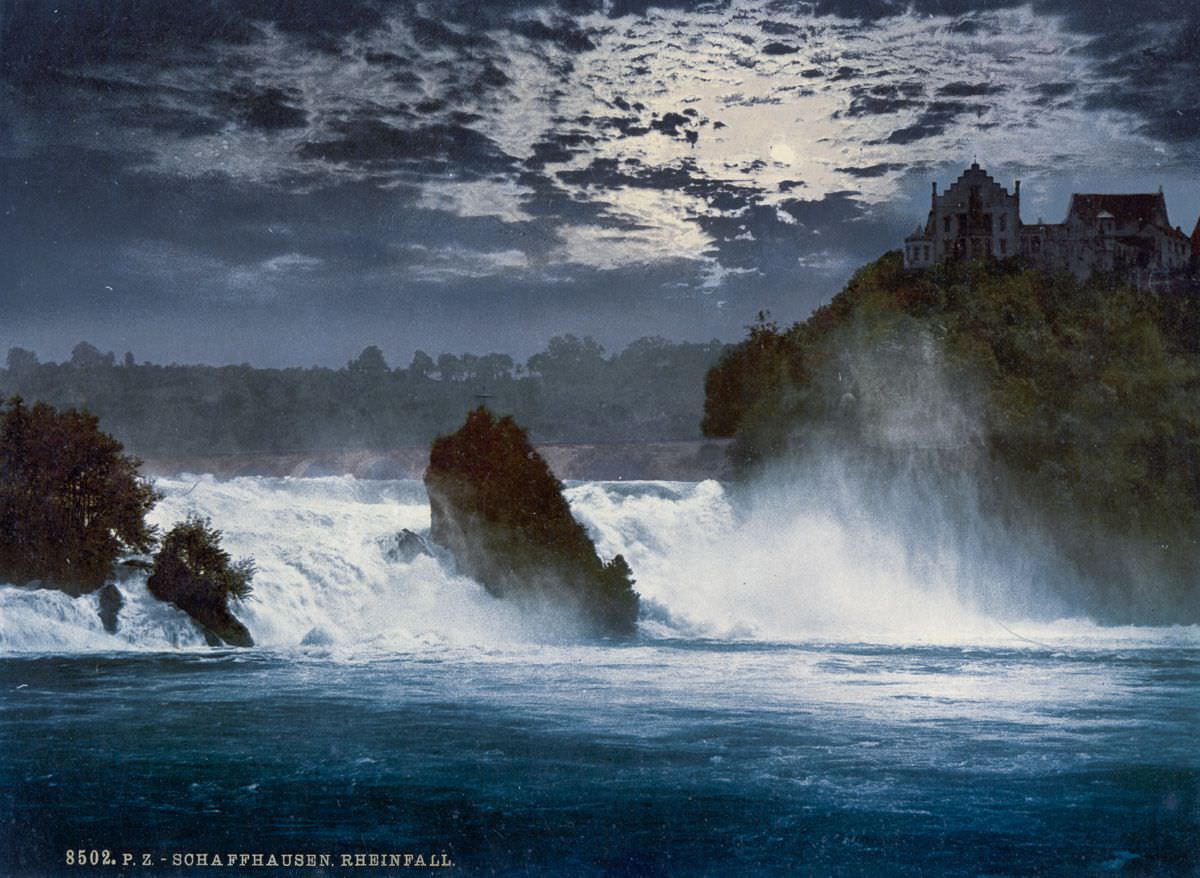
pixel 404 546
pixel 110 603
pixel 193 572
pixel 501 513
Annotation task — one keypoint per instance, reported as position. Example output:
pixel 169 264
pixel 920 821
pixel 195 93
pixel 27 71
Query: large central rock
pixel 500 511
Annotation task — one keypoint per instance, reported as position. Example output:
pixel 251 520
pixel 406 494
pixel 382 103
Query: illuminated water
pixel 764 721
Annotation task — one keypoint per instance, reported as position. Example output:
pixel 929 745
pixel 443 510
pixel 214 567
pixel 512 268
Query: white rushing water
pixel 778 571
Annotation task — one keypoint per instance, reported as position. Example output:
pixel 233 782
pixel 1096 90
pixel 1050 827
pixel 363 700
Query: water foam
pixel 780 569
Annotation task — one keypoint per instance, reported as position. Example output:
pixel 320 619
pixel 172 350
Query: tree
pixel 493 367
pixel 192 571
pixel 370 361
pixel 569 359
pixel 470 366
pixel 21 362
pixel 449 367
pixel 422 364
pixel 70 501
pixel 88 356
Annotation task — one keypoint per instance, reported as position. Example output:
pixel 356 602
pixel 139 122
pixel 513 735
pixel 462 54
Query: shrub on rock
pixel 193 572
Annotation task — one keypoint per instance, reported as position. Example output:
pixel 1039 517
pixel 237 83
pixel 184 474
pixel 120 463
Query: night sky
pixel 283 182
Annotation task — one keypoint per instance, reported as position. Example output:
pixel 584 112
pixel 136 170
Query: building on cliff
pixel 1129 235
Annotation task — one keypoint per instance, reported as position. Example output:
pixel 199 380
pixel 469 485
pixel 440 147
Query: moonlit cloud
pixel 344 155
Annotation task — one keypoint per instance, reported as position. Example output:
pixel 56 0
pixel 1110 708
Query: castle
pixel 1128 235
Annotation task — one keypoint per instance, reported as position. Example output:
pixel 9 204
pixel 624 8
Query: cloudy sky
pixel 285 181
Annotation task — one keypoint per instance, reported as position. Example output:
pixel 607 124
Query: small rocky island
pixel 194 573
pixel 500 511
pixel 73 512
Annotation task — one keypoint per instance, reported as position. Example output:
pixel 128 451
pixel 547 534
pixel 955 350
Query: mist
pixel 883 510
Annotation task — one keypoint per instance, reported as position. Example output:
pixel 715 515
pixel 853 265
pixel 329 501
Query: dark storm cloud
pixel 562 33
pixel 431 149
pixel 781 241
pixel 174 160
pixel 670 123
pixel 748 234
pixel 558 149
pixel 1157 76
pixel 969 89
pixel 1051 92
pixel 882 99
pixel 267 108
pixel 873 170
pixel 434 34
pixel 779 28
pixel 934 120
pixel 684 176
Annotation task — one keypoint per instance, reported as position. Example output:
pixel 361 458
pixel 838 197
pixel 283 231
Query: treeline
pixel 572 391
pixel 1075 405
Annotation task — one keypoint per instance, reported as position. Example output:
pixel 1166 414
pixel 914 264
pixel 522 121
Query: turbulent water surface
pixel 802 698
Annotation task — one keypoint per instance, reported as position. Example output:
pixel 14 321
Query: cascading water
pixel 822 683
pixel 786 567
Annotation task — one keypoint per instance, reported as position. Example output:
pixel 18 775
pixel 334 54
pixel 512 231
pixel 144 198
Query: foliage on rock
pixel 70 501
pixel 500 510
pixel 192 571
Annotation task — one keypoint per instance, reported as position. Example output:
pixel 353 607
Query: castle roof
pixel 1196 238
pixel 1139 208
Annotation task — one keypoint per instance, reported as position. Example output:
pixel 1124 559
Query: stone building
pixel 975 218
pixel 1129 235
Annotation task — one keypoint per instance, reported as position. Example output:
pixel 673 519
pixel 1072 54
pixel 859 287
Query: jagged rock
pixel 110 606
pixel 221 625
pixel 405 546
pixel 500 511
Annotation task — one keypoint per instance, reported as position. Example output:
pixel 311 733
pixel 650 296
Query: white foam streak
pixel 785 568
pixel 778 571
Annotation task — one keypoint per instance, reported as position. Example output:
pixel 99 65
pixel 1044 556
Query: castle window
pixel 946 223
pixel 926 252
pixel 1003 223
pixel 1003 243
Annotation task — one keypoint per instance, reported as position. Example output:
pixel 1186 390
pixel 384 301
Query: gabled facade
pixel 975 218
pixel 1130 235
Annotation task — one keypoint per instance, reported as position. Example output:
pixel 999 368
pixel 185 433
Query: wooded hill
pixel 1078 404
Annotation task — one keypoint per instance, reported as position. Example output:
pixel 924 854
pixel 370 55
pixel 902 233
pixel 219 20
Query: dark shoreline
pixel 684 461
